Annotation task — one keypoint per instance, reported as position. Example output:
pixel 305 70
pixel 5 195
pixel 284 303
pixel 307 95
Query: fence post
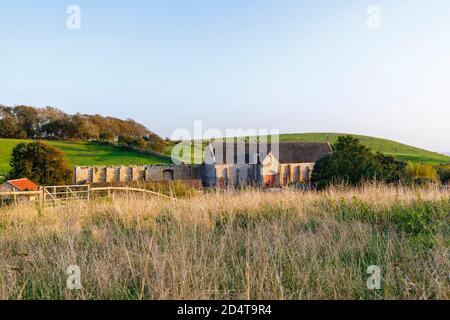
pixel 89 193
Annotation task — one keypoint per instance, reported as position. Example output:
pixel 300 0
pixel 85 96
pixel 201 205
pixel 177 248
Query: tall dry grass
pixel 247 245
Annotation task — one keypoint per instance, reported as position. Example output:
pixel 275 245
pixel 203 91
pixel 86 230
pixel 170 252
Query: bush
pixel 422 173
pixel 107 136
pixel 443 172
pixel 40 163
pixel 352 163
pixel 155 143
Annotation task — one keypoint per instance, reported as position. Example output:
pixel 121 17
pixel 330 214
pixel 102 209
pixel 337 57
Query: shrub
pixel 106 136
pixel 443 172
pixel 40 163
pixel 422 173
pixel 390 170
pixel 155 143
pixel 352 163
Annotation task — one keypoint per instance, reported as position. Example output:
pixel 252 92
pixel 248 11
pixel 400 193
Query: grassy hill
pixel 398 150
pixel 85 153
pixel 88 153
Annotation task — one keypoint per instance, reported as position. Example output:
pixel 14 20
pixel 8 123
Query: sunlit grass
pixel 247 245
pixel 85 153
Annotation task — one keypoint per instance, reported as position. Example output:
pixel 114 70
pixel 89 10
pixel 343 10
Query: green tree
pixel 421 173
pixel 8 123
pixel 443 172
pixel 28 120
pixel 390 170
pixel 352 163
pixel 40 163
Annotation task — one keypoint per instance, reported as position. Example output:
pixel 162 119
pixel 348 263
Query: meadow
pixel 85 153
pixel 233 245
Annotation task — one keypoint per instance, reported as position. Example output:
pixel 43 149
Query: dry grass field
pixel 246 245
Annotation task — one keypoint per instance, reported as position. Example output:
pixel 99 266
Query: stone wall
pixel 211 175
pixel 228 175
pixel 87 175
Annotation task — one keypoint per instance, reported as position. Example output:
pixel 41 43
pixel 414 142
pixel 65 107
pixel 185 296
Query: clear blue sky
pixel 293 65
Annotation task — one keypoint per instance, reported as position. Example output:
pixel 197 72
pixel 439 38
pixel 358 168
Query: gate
pixel 64 194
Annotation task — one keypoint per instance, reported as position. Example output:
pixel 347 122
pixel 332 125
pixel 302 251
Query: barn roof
pixel 249 150
pixel 23 184
pixel 288 152
pixel 302 152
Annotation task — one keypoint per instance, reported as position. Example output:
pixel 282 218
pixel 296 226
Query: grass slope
pixel 85 153
pixel 398 150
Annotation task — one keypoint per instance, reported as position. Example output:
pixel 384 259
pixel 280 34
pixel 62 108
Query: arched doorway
pixel 168 175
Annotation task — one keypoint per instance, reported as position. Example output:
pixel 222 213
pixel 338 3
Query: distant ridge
pixel 398 150
pixel 395 149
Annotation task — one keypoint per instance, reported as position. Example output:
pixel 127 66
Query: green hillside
pixel 400 151
pixel 85 153
pixel 88 153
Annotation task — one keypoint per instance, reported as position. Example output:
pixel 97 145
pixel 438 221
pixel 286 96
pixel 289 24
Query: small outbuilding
pixel 19 185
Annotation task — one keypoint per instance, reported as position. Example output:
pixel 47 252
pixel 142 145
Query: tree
pixel 106 136
pixel 155 143
pixel 352 163
pixel 40 163
pixel 443 171
pixel 421 173
pixel 8 123
pixel 390 170
pixel 28 121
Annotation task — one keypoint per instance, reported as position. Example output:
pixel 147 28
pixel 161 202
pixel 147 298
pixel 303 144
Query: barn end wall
pixel 87 175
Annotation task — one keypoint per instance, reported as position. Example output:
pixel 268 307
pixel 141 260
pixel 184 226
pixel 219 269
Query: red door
pixel 269 181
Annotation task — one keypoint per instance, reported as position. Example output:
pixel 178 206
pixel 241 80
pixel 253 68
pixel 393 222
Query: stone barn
pixel 271 165
pixel 114 174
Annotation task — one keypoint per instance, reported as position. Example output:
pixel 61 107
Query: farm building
pixel 226 164
pixel 19 185
pixel 115 174
pixel 271 165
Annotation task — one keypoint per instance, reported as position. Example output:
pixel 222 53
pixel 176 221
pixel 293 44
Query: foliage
pixel 86 154
pixel 421 173
pixel 106 136
pixel 352 163
pixel 443 172
pixel 151 142
pixel 399 151
pixel 50 123
pixel 40 163
pixel 389 169
pixel 156 143
pixel 247 245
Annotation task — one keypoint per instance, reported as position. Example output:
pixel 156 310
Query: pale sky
pixel 292 65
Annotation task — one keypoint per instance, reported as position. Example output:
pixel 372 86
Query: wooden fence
pixel 53 195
